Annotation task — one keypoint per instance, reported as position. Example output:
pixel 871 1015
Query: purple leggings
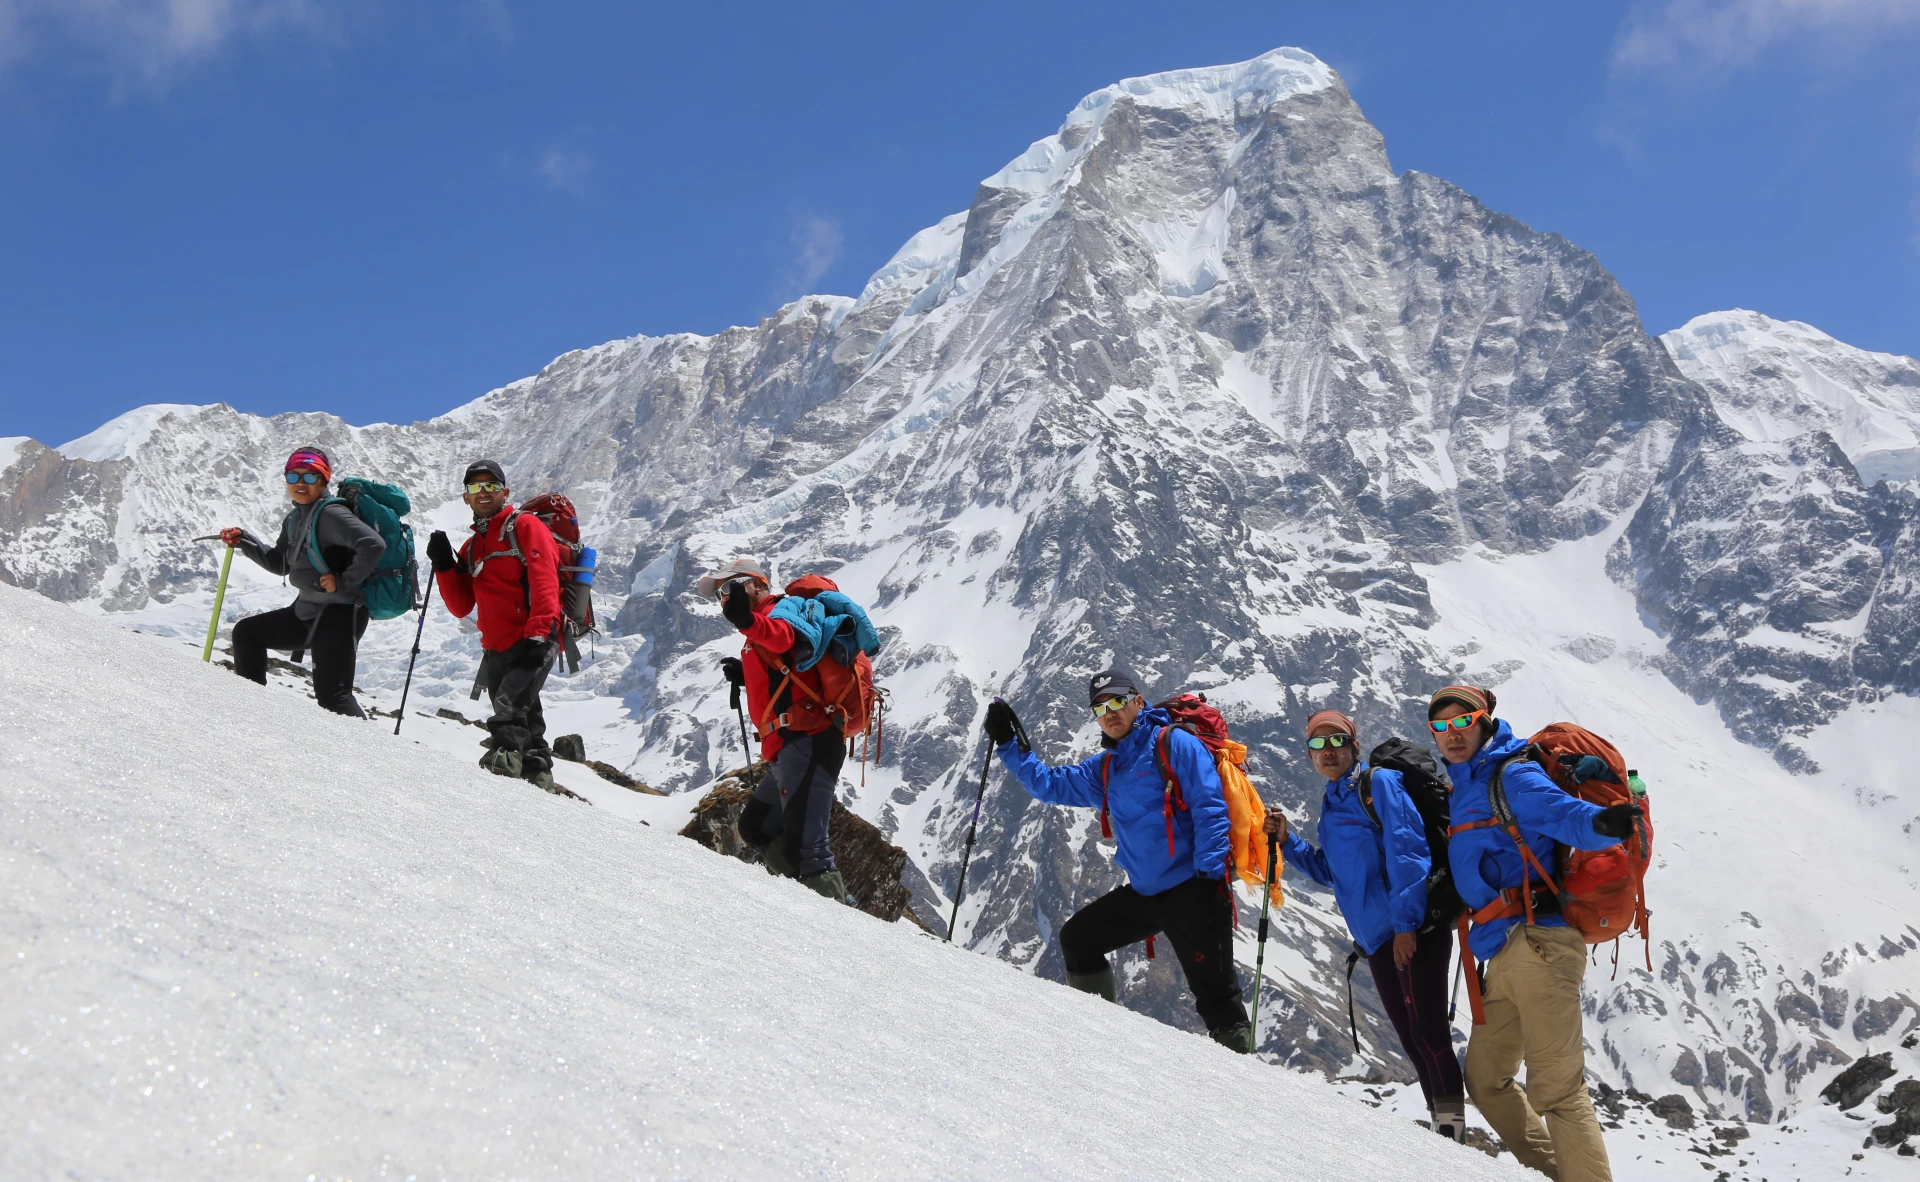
pixel 1415 999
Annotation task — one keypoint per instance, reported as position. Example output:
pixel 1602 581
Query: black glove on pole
pixel 1003 724
pixel 736 675
pixel 1616 821
pixel 401 714
pixel 440 551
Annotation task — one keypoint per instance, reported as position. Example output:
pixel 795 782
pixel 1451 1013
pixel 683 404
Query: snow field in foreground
pixel 245 937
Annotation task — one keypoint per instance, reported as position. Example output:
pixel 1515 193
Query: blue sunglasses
pixel 304 478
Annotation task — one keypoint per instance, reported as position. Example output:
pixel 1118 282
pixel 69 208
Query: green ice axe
pixel 219 597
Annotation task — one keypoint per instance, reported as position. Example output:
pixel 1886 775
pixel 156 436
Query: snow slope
pixel 248 938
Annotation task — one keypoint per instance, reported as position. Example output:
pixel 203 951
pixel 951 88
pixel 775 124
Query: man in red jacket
pixel 510 571
pixel 787 817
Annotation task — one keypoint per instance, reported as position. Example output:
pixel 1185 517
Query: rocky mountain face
pixel 1198 384
pixel 1777 551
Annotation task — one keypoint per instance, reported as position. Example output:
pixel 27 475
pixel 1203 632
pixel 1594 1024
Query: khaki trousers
pixel 1532 1003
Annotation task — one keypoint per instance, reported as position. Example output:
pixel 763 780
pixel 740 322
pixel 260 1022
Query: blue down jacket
pixel 1135 802
pixel 1485 861
pixel 1378 873
pixel 828 620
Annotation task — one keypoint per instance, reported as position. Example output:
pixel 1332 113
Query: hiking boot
pixel 1100 983
pixel 1237 1038
pixel 774 854
pixel 828 883
pixel 1450 1118
pixel 502 761
pixel 544 780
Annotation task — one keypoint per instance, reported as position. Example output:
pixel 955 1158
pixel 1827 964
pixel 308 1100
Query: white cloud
pixel 149 43
pixel 817 242
pixel 1709 40
pixel 566 170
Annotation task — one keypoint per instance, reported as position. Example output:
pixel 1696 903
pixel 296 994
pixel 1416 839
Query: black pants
pixel 1197 919
pixel 335 646
pixel 1415 999
pixel 793 804
pixel 518 723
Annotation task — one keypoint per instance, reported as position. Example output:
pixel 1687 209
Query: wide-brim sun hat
pixel 708 584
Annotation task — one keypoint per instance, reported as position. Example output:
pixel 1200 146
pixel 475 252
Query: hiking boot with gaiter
pixel 828 883
pixel 1238 1039
pixel 1100 983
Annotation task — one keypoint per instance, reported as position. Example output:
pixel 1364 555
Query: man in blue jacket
pixel 1173 842
pixel 1378 871
pixel 1533 962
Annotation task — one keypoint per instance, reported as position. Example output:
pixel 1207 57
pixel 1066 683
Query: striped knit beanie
pixel 311 459
pixel 1472 697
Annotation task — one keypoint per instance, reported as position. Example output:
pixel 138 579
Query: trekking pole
pixel 219 598
pixel 1453 999
pixel 960 890
pixel 401 714
pixel 746 748
pixel 1260 959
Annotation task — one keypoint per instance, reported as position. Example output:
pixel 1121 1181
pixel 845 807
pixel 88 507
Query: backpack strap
pixel 1171 797
pixel 1503 816
pixel 512 536
pixel 1364 786
pixel 313 532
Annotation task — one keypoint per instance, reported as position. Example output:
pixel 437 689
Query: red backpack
pixel 577 562
pixel 830 693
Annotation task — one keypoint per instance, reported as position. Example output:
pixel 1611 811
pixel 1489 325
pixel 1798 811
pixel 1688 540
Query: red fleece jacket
pixel 516 600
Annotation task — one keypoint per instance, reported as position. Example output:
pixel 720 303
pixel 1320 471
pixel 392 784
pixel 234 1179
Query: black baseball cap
pixel 1117 682
pixel 489 469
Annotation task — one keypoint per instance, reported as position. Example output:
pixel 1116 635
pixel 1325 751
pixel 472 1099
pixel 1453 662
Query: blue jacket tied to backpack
pixel 1378 873
pixel 1486 861
pixel 1136 802
pixel 827 622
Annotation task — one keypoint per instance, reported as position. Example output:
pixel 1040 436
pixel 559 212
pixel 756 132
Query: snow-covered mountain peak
pixel 1773 380
pixel 118 438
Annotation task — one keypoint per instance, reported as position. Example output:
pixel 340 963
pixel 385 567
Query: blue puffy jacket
pixel 1136 797
pixel 1485 861
pixel 1378 873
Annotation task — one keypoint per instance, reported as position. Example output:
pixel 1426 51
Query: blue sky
pixel 384 209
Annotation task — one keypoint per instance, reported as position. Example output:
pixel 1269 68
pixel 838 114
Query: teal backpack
pixel 394 586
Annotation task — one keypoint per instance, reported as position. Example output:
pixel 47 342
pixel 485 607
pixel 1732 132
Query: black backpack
pixel 1427 784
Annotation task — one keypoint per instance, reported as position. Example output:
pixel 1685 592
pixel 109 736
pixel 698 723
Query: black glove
pixel 440 551
pixel 736 675
pixel 737 606
pixel 530 653
pixel 1616 821
pixel 1002 723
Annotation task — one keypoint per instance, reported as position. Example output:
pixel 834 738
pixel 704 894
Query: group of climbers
pixel 1400 882
pixel 509 572
pixel 1377 854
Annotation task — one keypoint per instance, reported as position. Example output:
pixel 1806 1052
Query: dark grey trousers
pixel 794 803
pixel 518 722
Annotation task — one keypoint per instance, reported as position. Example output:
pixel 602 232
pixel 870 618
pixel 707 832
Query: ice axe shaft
pixel 219 599
pixel 401 714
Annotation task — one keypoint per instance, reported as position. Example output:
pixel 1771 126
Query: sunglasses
pixel 1110 706
pixel 305 478
pixel 1440 726
pixel 721 591
pixel 1335 741
pixel 485 486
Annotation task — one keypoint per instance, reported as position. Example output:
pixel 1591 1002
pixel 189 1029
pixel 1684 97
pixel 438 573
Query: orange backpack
pixel 1602 893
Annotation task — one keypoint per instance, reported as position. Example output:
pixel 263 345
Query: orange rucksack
pixel 1602 892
